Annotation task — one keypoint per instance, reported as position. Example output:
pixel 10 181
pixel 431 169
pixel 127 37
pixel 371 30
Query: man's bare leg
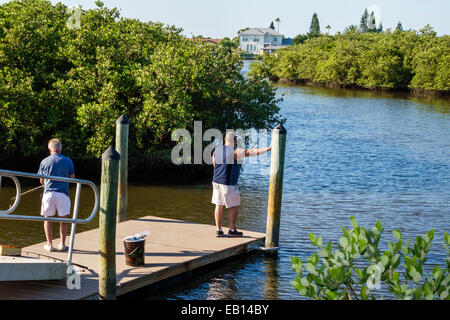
pixel 63 233
pixel 233 217
pixel 48 232
pixel 218 213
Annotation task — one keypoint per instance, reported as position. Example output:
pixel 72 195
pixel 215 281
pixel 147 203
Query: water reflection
pixel 271 287
pixel 222 288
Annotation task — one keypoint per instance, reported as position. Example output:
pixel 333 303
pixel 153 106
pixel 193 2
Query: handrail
pixel 6 214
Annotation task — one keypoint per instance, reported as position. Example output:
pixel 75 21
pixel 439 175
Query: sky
pixel 223 18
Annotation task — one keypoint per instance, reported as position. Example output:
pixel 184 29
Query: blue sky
pixel 220 18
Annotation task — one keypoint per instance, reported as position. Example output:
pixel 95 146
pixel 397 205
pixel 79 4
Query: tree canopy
pixel 73 83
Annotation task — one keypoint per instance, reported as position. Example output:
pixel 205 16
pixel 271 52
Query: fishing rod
pixel 23 193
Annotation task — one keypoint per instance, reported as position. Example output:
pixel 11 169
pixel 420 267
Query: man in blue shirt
pixel 56 193
pixel 227 162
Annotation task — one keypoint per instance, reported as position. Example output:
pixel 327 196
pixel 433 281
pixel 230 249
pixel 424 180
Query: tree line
pixel 364 56
pixel 367 23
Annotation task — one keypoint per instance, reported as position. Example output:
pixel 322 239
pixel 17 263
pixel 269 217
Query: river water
pixel 375 156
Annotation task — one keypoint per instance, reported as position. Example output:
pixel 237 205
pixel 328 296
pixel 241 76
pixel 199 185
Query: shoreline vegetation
pixel 410 61
pixel 414 92
pixel 70 74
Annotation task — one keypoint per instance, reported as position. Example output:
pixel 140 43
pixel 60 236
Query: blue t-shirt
pixel 56 165
pixel 227 169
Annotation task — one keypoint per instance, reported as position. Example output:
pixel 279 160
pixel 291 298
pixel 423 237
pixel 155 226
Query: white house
pixel 258 40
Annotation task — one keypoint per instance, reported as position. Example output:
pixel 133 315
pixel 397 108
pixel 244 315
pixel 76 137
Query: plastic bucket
pixel 134 251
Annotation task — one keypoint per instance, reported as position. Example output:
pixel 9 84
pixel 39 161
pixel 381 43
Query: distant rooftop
pixel 215 41
pixel 260 31
pixel 208 40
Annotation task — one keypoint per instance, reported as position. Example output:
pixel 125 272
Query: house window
pixel 248 47
pixel 256 39
pixel 275 39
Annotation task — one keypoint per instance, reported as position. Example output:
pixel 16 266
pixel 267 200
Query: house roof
pixel 208 40
pixel 214 41
pixel 259 32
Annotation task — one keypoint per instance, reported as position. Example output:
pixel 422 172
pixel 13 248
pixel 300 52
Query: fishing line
pixel 23 193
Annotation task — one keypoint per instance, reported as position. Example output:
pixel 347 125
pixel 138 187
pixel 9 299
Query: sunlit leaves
pixel 357 269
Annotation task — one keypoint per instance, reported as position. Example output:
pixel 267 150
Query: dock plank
pixel 173 247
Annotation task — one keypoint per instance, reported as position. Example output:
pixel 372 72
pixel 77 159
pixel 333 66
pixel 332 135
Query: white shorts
pixel 55 201
pixel 224 195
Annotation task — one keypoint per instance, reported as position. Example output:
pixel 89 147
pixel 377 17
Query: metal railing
pixel 6 214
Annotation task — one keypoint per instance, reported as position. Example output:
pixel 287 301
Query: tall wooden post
pixel 276 186
pixel 107 225
pixel 122 128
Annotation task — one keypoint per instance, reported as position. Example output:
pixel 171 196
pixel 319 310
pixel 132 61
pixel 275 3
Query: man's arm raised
pixel 241 153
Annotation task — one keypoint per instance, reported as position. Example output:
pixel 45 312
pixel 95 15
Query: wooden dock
pixel 173 248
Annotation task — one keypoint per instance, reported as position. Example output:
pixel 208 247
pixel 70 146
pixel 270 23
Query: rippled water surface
pixel 374 156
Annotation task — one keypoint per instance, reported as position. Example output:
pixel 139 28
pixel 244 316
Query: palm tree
pixel 277 20
pixel 351 28
pixel 328 27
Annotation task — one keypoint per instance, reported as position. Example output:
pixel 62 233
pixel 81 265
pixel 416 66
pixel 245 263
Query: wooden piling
pixel 107 225
pixel 122 129
pixel 275 187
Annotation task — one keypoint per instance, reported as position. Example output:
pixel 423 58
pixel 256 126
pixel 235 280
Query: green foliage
pixel 353 28
pixel 355 268
pixel 431 61
pixel 388 60
pixel 230 44
pixel 299 39
pixel 74 83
